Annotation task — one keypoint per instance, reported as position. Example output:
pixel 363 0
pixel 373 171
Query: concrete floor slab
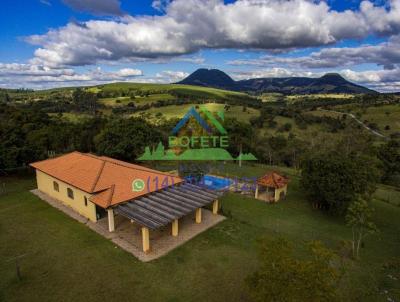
pixel 127 235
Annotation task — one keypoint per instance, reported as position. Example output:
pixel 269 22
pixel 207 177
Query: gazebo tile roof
pixel 273 180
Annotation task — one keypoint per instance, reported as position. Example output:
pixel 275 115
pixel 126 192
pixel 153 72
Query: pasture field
pixel 310 131
pixel 382 116
pixel 388 115
pixel 165 88
pixel 72 116
pixel 319 96
pixel 138 100
pixel 178 111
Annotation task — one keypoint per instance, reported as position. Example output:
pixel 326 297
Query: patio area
pixel 127 234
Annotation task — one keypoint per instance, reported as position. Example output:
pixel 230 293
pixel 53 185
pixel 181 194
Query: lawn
pixel 66 261
pixel 178 111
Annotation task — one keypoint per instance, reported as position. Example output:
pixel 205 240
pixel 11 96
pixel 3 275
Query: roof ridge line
pixel 61 155
pixel 111 195
pixel 98 176
pixel 149 169
pixel 137 167
pixel 273 178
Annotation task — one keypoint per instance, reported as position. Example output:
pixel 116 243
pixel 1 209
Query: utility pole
pixel 240 156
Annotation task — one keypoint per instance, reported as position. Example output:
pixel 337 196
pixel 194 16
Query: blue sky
pixel 51 43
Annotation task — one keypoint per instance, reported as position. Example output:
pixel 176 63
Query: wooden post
pixel 256 194
pixel 215 207
pixel 175 228
pixel 145 239
pixel 111 225
pixel 277 195
pixel 198 215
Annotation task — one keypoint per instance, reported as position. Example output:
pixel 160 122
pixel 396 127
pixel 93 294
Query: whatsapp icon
pixel 138 185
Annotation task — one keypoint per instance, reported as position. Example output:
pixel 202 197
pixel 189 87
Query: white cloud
pixel 275 72
pixel 37 76
pixel 386 54
pixel 169 76
pixel 128 72
pixel 45 2
pixel 160 5
pixel 190 25
pixel 96 7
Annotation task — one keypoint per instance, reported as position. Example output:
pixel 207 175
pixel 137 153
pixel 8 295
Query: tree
pixel 286 127
pixel 282 277
pixel 389 154
pixel 332 181
pixel 84 100
pixel 240 136
pixel 126 138
pixel 359 219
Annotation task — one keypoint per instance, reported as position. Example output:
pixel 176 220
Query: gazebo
pixel 271 187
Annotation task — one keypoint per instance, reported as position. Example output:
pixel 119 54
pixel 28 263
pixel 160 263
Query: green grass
pixel 178 111
pixel 72 116
pixel 138 100
pixel 299 97
pixel 67 261
pixel 93 89
pixel 165 88
pixel 386 115
pixel 306 134
pixel 271 97
pixel 383 116
pixel 388 194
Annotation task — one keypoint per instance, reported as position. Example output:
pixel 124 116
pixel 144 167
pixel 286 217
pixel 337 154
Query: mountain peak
pixel 332 75
pixel 333 79
pixel 209 78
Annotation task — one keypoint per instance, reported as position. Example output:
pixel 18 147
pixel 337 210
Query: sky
pixel 55 43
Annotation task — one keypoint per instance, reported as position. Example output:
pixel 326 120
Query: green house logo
pixel 206 141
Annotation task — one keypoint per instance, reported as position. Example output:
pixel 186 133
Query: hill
pixel 210 78
pixel 329 83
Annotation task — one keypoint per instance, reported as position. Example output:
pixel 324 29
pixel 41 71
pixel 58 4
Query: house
pixel 97 187
pixel 271 187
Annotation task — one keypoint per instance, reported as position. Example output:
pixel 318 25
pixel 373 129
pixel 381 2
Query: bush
pixel 284 277
pixel 332 181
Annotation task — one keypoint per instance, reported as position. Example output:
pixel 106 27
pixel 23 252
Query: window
pixel 70 193
pixel 55 186
pixel 85 200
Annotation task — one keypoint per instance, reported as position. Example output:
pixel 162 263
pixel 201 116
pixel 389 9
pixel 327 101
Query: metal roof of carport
pixel 160 208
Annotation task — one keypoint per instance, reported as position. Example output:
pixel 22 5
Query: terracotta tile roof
pixel 273 180
pixel 108 179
